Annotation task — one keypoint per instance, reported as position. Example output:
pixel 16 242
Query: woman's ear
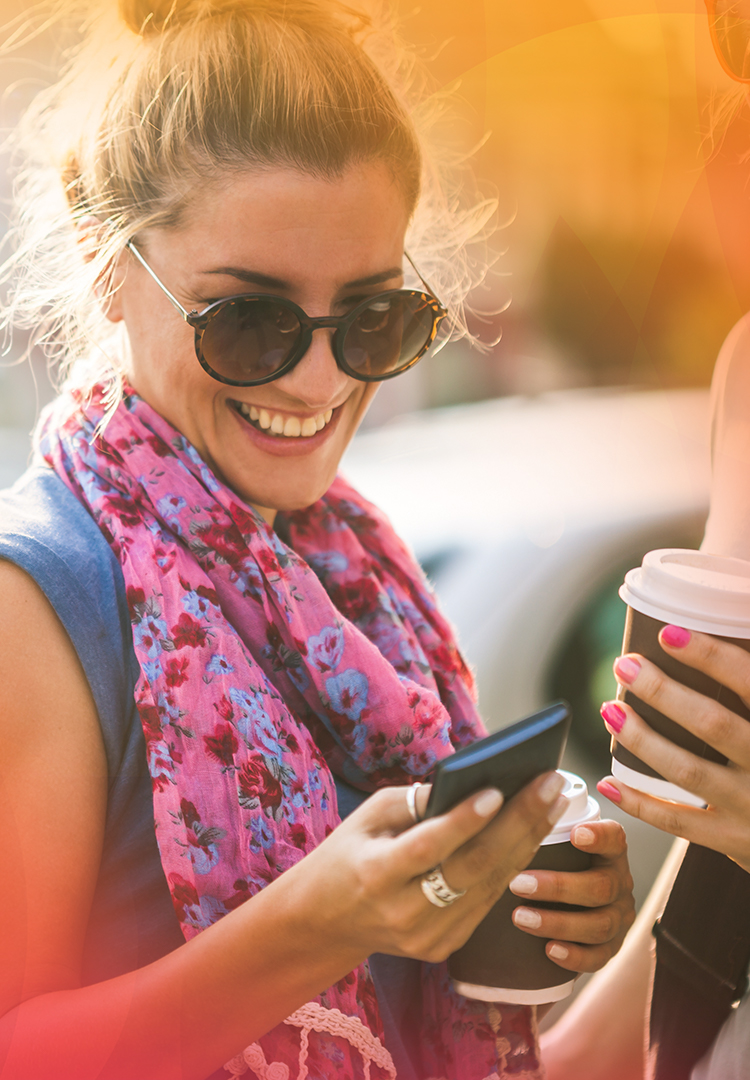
pixel 90 234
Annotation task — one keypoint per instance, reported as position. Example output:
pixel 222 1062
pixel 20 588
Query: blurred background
pixel 529 475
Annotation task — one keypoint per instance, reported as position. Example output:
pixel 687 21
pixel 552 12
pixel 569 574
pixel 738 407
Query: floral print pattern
pixel 266 665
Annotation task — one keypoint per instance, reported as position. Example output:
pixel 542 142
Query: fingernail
pixel 557 810
pixel 675 636
pixel 583 836
pixel 609 791
pixel 613 715
pixel 551 787
pixel 557 952
pixel 524 916
pixel 526 884
pixel 487 802
pixel 627 669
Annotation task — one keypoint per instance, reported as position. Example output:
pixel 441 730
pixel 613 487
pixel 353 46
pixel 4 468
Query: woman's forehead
pixel 353 224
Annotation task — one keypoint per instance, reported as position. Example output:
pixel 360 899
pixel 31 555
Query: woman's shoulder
pixel 46 532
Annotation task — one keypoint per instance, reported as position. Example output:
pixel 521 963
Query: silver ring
pixel 411 801
pixel 438 891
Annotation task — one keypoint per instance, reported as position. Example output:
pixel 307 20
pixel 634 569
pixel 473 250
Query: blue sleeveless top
pixel 46 532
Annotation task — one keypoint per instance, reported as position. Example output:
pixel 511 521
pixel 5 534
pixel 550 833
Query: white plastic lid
pixel 708 593
pixel 581 808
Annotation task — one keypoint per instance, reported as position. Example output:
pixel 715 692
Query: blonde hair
pixel 163 96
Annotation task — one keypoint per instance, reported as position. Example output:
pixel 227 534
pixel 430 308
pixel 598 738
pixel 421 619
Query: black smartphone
pixel 507 760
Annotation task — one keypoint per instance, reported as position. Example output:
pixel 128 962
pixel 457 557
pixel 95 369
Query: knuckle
pixel 478 860
pixel 688 773
pixel 717 726
pixel 421 848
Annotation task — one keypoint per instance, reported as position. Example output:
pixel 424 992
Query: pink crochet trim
pixel 313 1017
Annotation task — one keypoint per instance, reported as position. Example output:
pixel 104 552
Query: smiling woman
pixel 219 648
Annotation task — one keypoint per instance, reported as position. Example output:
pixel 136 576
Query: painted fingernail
pixel 557 810
pixel 609 791
pixel 675 636
pixel 487 802
pixel 613 715
pixel 583 836
pixel 524 916
pixel 557 952
pixel 627 669
pixel 551 787
pixel 525 884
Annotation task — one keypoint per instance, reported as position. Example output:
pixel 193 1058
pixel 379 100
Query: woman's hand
pixel 582 940
pixel 724 824
pixel 363 881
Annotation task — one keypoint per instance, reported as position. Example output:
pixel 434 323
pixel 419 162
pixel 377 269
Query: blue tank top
pixel 46 532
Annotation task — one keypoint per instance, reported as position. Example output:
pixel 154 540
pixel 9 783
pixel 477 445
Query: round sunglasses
pixel 729 23
pixel 255 338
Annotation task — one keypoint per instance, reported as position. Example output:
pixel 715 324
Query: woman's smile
pixel 314 241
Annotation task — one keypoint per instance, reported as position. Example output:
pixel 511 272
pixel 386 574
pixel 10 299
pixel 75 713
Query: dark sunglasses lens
pixel 732 25
pixel 388 334
pixel 248 340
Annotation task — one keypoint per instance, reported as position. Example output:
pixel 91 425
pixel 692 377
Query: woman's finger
pixel 596 927
pixel 727 663
pixel 581 959
pixel 705 718
pixel 713 783
pixel 671 817
pixel 473 848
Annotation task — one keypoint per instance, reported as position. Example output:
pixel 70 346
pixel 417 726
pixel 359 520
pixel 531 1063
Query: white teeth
pixel 291 427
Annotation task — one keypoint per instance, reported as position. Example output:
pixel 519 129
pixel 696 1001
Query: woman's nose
pixel 317 380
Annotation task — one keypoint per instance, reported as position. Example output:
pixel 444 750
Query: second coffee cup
pixel 499 962
pixel 697 591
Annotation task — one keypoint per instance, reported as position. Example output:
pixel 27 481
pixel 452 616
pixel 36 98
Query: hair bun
pixel 145 17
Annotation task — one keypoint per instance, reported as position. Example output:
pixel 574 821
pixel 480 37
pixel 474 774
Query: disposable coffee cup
pixel 499 962
pixel 698 591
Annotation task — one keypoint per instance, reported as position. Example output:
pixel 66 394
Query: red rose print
pixel 188 632
pixel 223 744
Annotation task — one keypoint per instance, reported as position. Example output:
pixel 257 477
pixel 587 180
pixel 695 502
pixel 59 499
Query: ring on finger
pixel 411 801
pixel 438 891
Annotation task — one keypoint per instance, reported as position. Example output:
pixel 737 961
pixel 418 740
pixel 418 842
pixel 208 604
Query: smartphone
pixel 507 760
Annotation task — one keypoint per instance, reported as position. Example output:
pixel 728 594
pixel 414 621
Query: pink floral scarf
pixel 266 666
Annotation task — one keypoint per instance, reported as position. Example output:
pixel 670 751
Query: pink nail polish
pixel 614 716
pixel 675 636
pixel 609 791
pixel 627 669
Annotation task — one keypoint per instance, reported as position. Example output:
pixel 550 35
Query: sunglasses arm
pixel 425 283
pixel 173 299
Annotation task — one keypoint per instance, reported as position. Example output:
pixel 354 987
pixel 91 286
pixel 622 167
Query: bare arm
pixel 601 1036
pixel 186 1014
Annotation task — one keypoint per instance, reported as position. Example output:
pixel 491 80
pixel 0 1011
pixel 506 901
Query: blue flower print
pixel 152 669
pixel 330 562
pixel 219 665
pixel 196 605
pixel 148 634
pixel 348 693
pixel 204 858
pixel 325 650
pixel 170 505
pixel 261 833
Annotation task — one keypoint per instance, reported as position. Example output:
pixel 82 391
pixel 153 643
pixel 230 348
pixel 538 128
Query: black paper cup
pixel 698 591
pixel 499 962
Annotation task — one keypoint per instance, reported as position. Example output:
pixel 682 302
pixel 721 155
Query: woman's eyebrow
pixel 253 277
